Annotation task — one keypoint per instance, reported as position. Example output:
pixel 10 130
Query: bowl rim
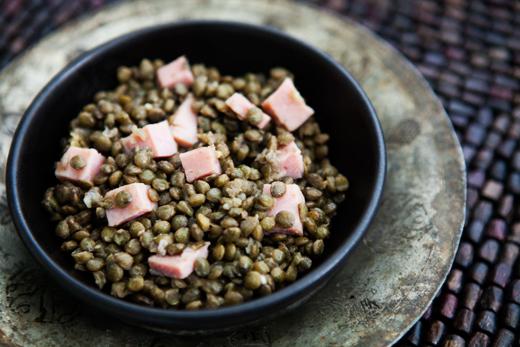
pixel 107 302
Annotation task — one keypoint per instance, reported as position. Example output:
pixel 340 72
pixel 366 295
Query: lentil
pixel 77 163
pixel 285 219
pixel 123 199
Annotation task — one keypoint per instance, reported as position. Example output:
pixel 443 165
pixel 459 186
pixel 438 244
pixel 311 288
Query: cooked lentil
pixel 246 259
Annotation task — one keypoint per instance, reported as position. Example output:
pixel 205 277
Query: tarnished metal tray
pixel 389 280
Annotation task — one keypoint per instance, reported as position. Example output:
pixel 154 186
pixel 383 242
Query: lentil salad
pixel 221 222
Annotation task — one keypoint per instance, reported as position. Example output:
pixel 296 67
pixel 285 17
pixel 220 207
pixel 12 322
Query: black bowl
pixel 342 108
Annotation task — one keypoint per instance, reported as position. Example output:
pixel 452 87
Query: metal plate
pixel 391 277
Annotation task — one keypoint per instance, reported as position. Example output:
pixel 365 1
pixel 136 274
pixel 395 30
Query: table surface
pixel 470 53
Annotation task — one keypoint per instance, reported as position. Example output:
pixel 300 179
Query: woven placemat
pixel 470 53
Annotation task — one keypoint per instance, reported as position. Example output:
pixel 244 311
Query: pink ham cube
pixel 287 106
pixel 178 71
pixel 200 163
pixel 288 202
pixel 140 204
pixel 177 266
pixel 289 161
pixel 240 105
pixel 157 137
pixel 92 160
pixel 184 123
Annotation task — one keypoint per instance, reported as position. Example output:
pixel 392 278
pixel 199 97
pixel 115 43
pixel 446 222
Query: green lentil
pixel 265 201
pixel 304 264
pixel 202 186
pixel 178 179
pixel 203 221
pixel 253 280
pixel 101 142
pixel 82 257
pixel 202 267
pixel 322 232
pixel 244 263
pixel 138 270
pixel 278 256
pixel 248 225
pixel 196 200
pixel 161 227
pixel 147 176
pixel 285 219
pixel 99 279
pixel 285 138
pixel 160 184
pixel 121 237
pixel 218 252
pixel 166 167
pixel 63 230
pixel 199 85
pixel 85 119
pixel 123 199
pixel 196 232
pixel 261 267
pixel 318 247
pixel 135 284
pixel 268 223
pixel 179 221
pixel 165 212
pixel 172 297
pixel 312 194
pixel 277 189
pixel 115 178
pixel 291 273
pixel 175 248
pixel 278 274
pixel 77 162
pixel 133 247
pixel 80 235
pixel 157 294
pixel 221 180
pixel 185 208
pixel 231 251
pixel 143 158
pixel 68 246
pixel 341 183
pixel 190 295
pixel 87 244
pixel 233 298
pixel 194 305
pixel 182 235
pixel 214 195
pixel 114 272
pixel 136 229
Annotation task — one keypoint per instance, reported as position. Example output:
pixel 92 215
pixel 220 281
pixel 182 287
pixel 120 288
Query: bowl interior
pixel 340 109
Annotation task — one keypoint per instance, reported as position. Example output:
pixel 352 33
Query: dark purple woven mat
pixel 469 51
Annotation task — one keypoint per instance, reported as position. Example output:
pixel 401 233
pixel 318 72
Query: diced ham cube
pixel 184 123
pixel 92 160
pixel 200 163
pixel 289 161
pixel 157 137
pixel 140 204
pixel 287 106
pixel 288 202
pixel 241 105
pixel 178 71
pixel 177 266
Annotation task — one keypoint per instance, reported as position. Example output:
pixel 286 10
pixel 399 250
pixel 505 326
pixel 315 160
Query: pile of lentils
pixel 245 260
